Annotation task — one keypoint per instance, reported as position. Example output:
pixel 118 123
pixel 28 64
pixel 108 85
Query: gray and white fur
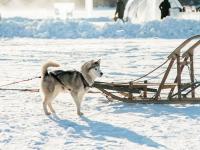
pixel 77 83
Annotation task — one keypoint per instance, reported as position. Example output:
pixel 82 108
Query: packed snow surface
pixel 105 125
pixel 97 28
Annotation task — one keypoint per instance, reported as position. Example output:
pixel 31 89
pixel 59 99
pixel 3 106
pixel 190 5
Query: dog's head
pixel 92 68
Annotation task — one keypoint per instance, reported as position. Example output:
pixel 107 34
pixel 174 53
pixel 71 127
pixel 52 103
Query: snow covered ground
pixel 105 125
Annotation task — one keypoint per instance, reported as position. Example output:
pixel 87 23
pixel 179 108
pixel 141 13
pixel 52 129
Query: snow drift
pixel 59 29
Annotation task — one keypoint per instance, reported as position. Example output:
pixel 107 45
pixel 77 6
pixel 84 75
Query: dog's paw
pixel 80 113
pixel 53 112
pixel 48 113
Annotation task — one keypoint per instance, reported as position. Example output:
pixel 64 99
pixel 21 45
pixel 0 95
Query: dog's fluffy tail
pixel 46 65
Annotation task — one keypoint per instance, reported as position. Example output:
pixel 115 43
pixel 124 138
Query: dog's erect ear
pixel 98 62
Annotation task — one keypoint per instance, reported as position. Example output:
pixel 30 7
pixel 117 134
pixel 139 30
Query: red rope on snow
pixel 23 90
pixel 20 81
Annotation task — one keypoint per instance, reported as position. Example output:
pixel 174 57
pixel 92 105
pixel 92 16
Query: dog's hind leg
pixel 45 106
pixel 51 108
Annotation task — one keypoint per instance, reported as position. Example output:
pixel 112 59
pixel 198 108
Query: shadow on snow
pixel 157 110
pixel 101 130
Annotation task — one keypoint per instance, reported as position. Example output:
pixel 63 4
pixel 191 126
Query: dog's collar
pixel 85 83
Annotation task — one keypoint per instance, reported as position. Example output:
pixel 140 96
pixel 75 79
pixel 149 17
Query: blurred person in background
pixel 119 13
pixel 164 8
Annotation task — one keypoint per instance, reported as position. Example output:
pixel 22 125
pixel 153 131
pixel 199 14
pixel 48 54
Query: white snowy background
pixel 127 51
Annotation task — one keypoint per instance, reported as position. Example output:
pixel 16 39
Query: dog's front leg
pixel 77 99
pixel 51 108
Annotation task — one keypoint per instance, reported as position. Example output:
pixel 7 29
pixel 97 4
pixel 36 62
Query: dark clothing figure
pixel 120 10
pixel 164 7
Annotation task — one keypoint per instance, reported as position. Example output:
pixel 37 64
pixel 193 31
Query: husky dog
pixel 77 83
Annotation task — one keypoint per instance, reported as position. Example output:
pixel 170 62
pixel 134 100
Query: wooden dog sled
pixel 146 92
